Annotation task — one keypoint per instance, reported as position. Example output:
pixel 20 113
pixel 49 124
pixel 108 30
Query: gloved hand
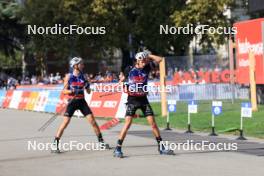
pixel 87 85
pixel 147 53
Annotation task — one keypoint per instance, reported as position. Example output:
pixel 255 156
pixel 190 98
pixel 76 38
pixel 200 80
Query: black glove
pixel 87 85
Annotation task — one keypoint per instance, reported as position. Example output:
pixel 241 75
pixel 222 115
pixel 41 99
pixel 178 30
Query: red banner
pixel 105 104
pixel 202 77
pixel 249 37
pixel 24 100
pixel 7 99
pixel 62 103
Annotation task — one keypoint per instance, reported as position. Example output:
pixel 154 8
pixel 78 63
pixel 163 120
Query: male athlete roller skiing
pixel 75 84
pixel 137 79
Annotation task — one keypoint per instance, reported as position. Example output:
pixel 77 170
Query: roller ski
pixel 118 153
pixel 105 146
pixel 55 146
pixel 164 151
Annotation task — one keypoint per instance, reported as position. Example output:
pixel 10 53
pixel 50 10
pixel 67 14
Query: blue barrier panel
pixel 53 99
pixel 2 96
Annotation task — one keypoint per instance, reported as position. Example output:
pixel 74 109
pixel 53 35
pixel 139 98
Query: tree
pixel 204 12
pixel 84 13
pixel 138 19
pixel 11 29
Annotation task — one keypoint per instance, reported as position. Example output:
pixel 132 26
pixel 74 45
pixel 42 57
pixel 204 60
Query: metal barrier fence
pixel 202 92
pixel 182 92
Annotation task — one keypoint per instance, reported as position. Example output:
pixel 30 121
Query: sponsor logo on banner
pixel 249 38
pixel 95 104
pixel 105 104
pixel 202 77
pixel 110 104
pixel 32 100
pixel 2 97
pixel 216 107
pixel 24 100
pixel 192 107
pixel 172 105
pixel 246 110
pixel 62 103
pixel 53 99
pixel 41 101
pixel 16 98
pixel 171 108
pixel 7 99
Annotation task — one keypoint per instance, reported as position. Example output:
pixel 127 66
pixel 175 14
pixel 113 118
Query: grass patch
pixel 229 119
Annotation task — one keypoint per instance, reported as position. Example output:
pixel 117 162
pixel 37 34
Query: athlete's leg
pixel 118 150
pixel 63 126
pixel 149 114
pixel 128 122
pixel 97 131
pixel 71 107
pixel 161 148
pixel 95 126
pixel 153 124
pixel 130 112
pixel 86 111
pixel 147 110
pixel 155 129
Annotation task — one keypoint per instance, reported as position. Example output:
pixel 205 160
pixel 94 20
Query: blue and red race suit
pixel 137 80
pixel 77 84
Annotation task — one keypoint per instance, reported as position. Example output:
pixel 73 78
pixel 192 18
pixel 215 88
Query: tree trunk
pixel 24 63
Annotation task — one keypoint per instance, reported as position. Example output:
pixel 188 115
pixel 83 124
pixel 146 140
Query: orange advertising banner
pixel 32 100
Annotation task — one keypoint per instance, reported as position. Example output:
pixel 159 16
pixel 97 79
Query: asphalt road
pixel 19 128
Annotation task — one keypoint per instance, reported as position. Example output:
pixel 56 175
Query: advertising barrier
pixel 113 104
pixel 102 104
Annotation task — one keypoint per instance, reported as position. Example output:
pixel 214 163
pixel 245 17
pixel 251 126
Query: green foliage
pixel 8 62
pixel 11 28
pixel 205 12
pixel 141 19
pixel 146 18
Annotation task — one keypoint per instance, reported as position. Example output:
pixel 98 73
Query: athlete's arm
pixel 155 58
pixel 66 84
pixel 87 84
pixel 88 90
pixel 121 77
pixel 87 87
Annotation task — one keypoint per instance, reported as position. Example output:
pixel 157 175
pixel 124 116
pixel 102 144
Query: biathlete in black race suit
pixel 136 82
pixel 75 84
